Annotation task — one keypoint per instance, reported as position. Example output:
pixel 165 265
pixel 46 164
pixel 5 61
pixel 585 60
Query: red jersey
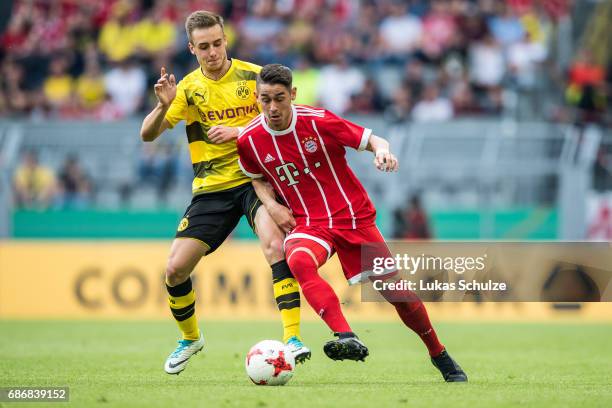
pixel 306 165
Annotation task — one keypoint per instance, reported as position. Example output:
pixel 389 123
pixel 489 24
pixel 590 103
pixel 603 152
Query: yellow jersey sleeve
pixel 178 107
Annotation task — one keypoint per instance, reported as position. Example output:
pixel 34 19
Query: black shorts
pixel 211 217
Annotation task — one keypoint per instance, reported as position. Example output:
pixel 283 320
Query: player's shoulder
pixel 190 78
pixel 310 109
pixel 305 112
pixel 245 66
pixel 254 127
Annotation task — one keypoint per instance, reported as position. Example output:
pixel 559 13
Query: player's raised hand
pixel 165 88
pixel 222 134
pixel 385 161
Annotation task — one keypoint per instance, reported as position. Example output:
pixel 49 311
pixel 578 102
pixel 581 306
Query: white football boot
pixel 177 361
pixel 300 352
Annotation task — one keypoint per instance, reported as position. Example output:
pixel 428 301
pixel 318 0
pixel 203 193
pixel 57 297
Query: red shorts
pixel 356 248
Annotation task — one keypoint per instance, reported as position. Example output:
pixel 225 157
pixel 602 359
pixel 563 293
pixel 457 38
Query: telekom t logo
pixel 289 171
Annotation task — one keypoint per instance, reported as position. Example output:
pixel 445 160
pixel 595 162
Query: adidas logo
pixel 269 158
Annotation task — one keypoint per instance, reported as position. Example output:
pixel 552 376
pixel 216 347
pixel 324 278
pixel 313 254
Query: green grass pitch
pixel 119 364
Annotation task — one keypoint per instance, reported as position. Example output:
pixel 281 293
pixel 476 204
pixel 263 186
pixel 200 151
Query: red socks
pixel 304 259
pixel 414 315
pixel 317 292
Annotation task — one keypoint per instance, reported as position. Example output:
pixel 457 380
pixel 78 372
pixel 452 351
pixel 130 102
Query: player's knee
pixel 301 260
pixel 273 250
pixel 176 272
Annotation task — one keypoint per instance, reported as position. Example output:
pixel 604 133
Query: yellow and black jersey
pixel 203 103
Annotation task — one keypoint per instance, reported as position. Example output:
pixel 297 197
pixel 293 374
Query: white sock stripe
pixel 306 250
pixel 319 241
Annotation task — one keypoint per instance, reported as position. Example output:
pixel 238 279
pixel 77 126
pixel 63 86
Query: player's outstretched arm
pixel 384 160
pixel 280 214
pixel 154 123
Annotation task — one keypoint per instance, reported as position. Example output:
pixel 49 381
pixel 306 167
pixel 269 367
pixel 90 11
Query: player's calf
pixel 304 258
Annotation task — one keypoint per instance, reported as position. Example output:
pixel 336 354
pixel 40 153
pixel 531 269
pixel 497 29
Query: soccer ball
pixel 269 363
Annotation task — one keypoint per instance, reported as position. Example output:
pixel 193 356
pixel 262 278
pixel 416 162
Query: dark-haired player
pixel 300 150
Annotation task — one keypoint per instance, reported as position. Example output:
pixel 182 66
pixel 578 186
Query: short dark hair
pixel 273 74
pixel 202 19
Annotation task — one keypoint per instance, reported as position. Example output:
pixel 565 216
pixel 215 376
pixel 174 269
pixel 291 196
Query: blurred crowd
pixel 409 59
pixel 411 221
pixel 70 185
pixel 39 187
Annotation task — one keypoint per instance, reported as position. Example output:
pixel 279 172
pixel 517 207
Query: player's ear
pixel 191 47
pixel 293 93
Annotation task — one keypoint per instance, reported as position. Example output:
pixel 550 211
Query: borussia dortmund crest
pixel 243 92
pixel 183 225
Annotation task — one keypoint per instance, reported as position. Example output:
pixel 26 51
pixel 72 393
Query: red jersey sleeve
pixel 344 132
pixel 247 160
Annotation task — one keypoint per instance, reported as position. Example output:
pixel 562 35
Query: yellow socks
pixel 182 304
pixel 287 296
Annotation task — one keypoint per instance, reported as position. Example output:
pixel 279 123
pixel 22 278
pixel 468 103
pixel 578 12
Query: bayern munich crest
pixel 310 144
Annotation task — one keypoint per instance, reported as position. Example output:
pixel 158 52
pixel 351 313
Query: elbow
pixel 146 136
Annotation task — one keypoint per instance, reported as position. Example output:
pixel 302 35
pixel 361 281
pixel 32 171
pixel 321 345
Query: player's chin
pixel 212 65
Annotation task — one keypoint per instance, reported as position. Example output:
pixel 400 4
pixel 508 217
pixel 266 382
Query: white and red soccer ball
pixel 269 362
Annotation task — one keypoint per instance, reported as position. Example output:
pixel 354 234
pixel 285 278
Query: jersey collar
pixel 290 129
